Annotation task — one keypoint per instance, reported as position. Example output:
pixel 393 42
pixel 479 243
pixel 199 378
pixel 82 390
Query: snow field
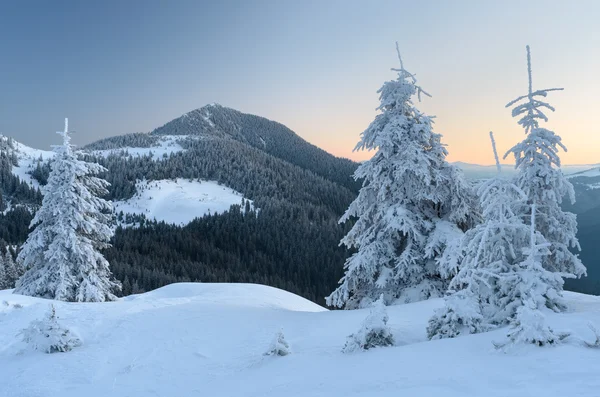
pixel 179 201
pixel 209 340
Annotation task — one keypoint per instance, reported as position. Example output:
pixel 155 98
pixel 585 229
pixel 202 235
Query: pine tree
pixel 62 253
pixel 4 280
pixel 49 336
pixel 374 331
pixel 534 288
pixel 279 346
pixel 485 263
pixel 411 205
pixel 540 177
pixel 12 269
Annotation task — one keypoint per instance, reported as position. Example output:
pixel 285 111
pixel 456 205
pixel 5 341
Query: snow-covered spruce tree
pixel 482 292
pixel 61 254
pixel 411 204
pixel 540 177
pixel 534 287
pixel 49 336
pixel 279 346
pixel 374 331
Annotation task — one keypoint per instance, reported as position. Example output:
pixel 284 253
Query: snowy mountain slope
pixel 179 201
pixel 27 160
pixel 269 136
pixel 209 340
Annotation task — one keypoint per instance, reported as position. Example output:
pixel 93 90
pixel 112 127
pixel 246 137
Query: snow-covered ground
pixel 179 201
pixel 166 145
pixel 209 340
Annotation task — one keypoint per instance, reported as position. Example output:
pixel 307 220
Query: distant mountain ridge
pixel 219 122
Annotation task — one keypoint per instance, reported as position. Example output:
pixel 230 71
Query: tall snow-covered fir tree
pixel 540 177
pixel 488 261
pixel 411 205
pixel 61 254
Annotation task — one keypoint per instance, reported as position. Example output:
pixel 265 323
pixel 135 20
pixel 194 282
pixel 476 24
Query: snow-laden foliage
pixel 409 192
pixel 533 288
pixel 279 346
pixel 61 254
pixel 484 263
pixel 460 315
pixel 374 331
pixel 49 336
pixel 540 177
pixel 489 265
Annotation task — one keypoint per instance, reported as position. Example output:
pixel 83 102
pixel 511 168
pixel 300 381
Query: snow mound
pixel 167 145
pixel 210 339
pixel 179 201
pixel 233 295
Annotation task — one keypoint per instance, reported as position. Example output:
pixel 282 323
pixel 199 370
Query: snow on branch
pixel 531 109
pixel 404 74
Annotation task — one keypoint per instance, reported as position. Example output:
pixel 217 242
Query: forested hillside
pixel 290 240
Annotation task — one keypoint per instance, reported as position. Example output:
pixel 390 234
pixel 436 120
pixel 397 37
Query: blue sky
pixel 116 67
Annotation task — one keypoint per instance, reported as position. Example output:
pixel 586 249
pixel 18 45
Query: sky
pixel 117 67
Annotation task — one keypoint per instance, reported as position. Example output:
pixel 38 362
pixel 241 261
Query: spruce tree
pixel 540 177
pixel 12 268
pixel 534 287
pixel 486 262
pixel 61 254
pixel 411 205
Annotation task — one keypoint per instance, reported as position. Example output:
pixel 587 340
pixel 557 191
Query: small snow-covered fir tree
pixel 374 331
pixel 61 254
pixel 411 205
pixel 540 177
pixel 485 262
pixel 279 346
pixel 534 287
pixel 49 336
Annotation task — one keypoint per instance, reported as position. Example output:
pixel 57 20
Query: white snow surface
pixel 209 340
pixel 179 201
pixel 167 145
pixel 28 158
